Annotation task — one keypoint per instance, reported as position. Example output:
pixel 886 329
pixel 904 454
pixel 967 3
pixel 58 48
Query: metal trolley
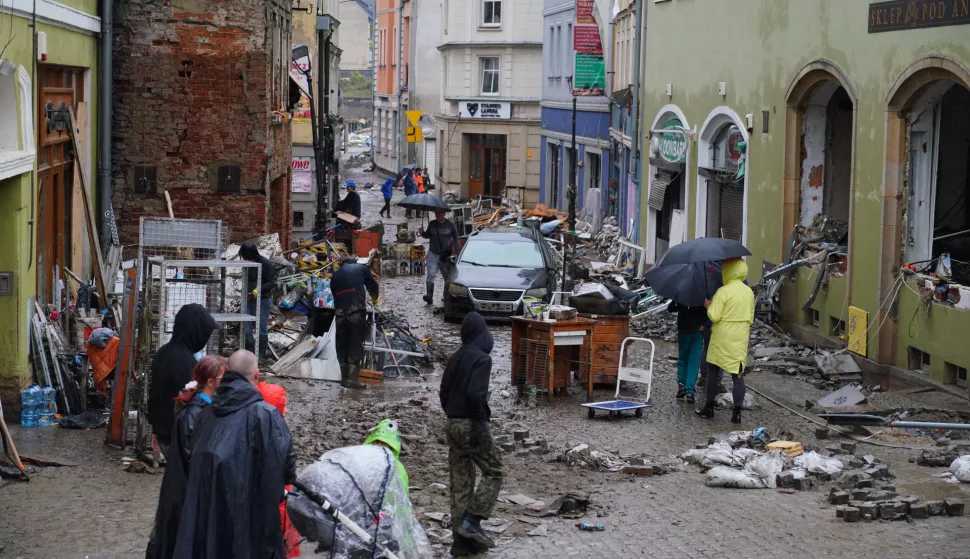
pixel 616 406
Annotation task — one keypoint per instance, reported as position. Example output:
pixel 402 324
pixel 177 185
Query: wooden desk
pixel 544 353
pixel 607 337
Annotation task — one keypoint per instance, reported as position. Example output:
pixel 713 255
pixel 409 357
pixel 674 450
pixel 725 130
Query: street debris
pixel 589 527
pixel 847 396
pixel 726 401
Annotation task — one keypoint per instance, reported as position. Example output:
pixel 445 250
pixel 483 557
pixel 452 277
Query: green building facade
pixel 41 217
pixel 783 112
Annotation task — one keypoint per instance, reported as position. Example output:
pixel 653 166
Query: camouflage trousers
pixel 463 459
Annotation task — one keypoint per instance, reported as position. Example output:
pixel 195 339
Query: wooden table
pixel 607 337
pixel 544 352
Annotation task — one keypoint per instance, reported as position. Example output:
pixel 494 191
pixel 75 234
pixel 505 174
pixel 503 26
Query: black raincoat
pixel 176 476
pixel 241 460
pixel 464 386
pixel 173 364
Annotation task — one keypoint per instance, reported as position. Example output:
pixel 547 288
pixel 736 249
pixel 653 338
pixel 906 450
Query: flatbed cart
pixel 616 406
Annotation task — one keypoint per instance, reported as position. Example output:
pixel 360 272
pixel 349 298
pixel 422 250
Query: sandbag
pixel 723 476
pixel 812 462
pixel 766 467
pixel 960 468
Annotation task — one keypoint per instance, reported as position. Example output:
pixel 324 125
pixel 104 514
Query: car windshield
pixel 508 254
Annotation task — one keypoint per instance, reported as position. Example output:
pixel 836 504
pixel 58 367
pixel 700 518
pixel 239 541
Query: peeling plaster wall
pixel 813 163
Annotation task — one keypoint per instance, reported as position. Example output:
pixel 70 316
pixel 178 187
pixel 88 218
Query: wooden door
pixel 60 88
pixel 496 171
pixel 476 172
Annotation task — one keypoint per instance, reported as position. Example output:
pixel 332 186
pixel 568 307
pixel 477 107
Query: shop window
pixel 145 180
pixel 554 177
pixel 919 360
pixel 298 219
pixel 491 13
pixel 228 179
pixel 956 373
pixel 725 189
pixel 593 170
pixel 490 75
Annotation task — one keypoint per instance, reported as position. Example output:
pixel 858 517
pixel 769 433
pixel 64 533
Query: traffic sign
pixel 414 117
pixel 415 135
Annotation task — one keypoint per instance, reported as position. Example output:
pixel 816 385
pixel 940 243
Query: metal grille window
pixel 491 13
pixel 490 75
pixel 145 180
pixel 229 180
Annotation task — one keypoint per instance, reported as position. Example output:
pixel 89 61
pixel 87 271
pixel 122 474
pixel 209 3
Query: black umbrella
pixel 424 203
pixel 685 284
pixel 704 249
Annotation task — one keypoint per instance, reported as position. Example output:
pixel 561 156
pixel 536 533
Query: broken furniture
pixel 630 374
pixel 605 343
pixel 546 352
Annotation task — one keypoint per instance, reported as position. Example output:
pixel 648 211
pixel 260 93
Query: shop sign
pixel 897 15
pixel 302 171
pixel 673 145
pixel 301 112
pixel 485 110
pixel 590 74
pixel 584 12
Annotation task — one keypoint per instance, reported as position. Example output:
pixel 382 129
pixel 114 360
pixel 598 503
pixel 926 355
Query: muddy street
pixel 95 508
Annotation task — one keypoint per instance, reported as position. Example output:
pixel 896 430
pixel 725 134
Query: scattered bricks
pixel 520 434
pixel 863 484
pixel 804 484
pixel 901 507
pixel 909 499
pixel 848 448
pixel 840 511
pixel 881 496
pixel 953 507
pixel 860 494
pixel 502 439
pixel 822 433
pixel 870 459
pixel 851 514
pixel 919 511
pixel 839 498
pixel 887 487
pixel 522 452
pixel 785 480
pixel 543 444
pixel 529 443
pixel 851 478
pixel 879 471
pixel 932 459
pixel 642 471
pixel 537 450
pixel 943 441
pixel 935 508
pixel 507 447
pixel 870 510
pixel 887 511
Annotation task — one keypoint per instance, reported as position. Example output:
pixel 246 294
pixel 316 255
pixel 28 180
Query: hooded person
pixel 351 284
pixel 197 394
pixel 267 282
pixel 387 192
pixel 275 396
pixel 172 368
pixel 731 312
pixel 464 398
pixel 241 461
pixel 386 435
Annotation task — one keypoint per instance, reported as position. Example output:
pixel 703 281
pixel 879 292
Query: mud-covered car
pixel 497 269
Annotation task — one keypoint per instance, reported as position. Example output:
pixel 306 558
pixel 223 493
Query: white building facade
pixel 488 121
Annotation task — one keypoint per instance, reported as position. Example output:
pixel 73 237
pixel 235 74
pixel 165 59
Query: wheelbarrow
pixel 616 406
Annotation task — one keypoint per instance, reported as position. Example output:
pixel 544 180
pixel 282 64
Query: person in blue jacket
pixel 410 187
pixel 387 189
pixel 351 202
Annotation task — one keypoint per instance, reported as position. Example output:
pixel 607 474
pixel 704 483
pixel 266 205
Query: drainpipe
pixel 638 43
pixel 104 126
pixel 373 84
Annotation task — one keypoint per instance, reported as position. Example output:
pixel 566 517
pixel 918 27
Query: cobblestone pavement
pixel 96 510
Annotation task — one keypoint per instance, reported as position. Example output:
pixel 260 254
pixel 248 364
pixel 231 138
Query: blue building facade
pixel 592 122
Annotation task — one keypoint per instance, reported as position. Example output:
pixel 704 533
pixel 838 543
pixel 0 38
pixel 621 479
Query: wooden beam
pixel 92 225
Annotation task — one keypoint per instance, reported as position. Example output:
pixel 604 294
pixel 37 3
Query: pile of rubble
pixel 863 501
pixel 586 457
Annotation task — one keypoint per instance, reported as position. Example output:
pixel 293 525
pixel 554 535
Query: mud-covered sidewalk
pixel 97 509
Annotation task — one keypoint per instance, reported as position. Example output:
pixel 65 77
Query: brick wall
pixel 192 93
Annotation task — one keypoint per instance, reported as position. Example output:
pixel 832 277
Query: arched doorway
pixel 668 190
pixel 722 185
pixel 925 195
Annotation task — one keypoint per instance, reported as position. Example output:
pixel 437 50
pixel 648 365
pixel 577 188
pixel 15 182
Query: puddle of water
pixel 931 491
pixel 888 383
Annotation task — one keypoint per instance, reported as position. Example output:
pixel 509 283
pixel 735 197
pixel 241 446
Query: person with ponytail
pixel 189 404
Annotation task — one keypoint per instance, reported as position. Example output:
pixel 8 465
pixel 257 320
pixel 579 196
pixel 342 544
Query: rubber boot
pixel 353 378
pixel 707 412
pixel 471 528
pixel 264 352
pixel 736 416
pixel 464 547
pixel 429 298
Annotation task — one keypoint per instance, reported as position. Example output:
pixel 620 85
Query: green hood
pixel 386 432
pixel 734 270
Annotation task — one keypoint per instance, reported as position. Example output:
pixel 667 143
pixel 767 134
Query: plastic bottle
pixel 48 407
pixel 587 527
pixel 29 400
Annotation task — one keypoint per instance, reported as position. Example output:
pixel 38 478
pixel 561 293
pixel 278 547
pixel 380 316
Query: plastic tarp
pixel 719 454
pixel 741 468
pixel 726 401
pixel 362 483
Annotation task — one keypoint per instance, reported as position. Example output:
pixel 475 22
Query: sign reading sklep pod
pixel 492 110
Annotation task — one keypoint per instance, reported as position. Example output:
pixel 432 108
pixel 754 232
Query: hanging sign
pixel 898 15
pixel 590 67
pixel 302 170
pixel 673 145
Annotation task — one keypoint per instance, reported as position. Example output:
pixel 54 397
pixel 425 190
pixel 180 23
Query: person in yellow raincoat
pixel 732 312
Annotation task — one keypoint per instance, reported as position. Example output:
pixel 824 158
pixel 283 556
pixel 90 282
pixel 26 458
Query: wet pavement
pixel 96 509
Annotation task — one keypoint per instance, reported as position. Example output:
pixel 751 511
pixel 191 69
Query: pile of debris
pixel 586 457
pixel 863 501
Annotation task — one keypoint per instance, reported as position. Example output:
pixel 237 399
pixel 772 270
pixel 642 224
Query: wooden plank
pixel 117 433
pixel 81 169
pixel 77 209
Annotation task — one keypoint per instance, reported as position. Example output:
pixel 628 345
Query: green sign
pixel 590 78
pixel 673 145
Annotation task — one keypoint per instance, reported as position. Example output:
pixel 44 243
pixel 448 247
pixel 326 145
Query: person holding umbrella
pixel 690 343
pixel 732 312
pixel 442 251
pixel 410 188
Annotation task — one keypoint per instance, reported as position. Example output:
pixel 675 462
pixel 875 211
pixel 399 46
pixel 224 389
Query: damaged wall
pixel 196 82
pixel 813 162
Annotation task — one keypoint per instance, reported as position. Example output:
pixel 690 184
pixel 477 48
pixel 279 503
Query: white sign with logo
pixel 302 168
pixel 485 110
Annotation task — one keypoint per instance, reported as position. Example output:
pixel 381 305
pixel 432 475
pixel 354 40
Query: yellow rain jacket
pixel 732 312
